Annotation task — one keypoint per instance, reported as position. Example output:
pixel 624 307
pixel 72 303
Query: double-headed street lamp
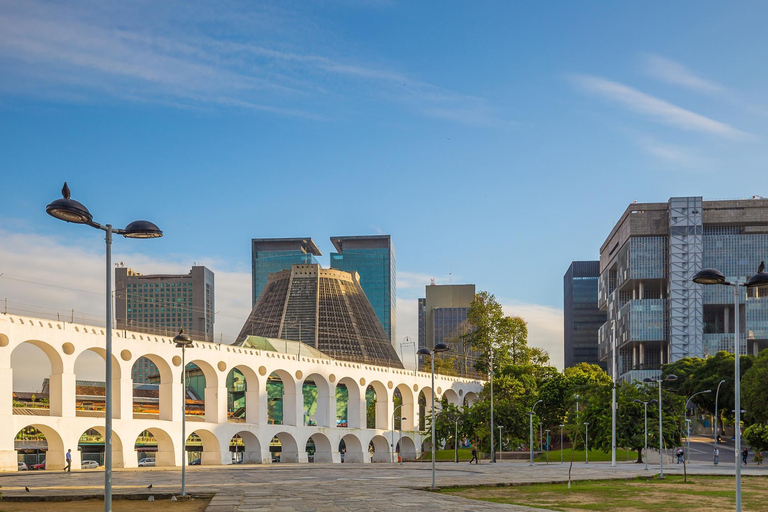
pixel 69 210
pixel 713 276
pixel 645 405
pixel 440 347
pixel 669 378
pixel 531 414
pixel 685 413
pixel 183 341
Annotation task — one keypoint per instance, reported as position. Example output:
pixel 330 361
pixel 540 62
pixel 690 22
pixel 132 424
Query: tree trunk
pixel 639 456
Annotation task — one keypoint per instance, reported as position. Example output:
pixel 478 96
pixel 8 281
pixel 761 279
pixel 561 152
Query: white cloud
pixel 680 157
pixel 655 108
pixel 545 328
pixel 675 73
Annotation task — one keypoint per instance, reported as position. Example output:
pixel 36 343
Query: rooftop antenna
pixel 450 275
pixel 432 281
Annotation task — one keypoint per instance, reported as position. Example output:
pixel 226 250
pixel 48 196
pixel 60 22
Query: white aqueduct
pixel 63 425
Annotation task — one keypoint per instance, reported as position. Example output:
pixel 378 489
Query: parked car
pixel 147 463
pixel 38 466
pixel 23 466
pixel 89 464
pixel 195 462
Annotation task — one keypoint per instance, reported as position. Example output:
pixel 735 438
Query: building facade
pixel 373 258
pixel 162 304
pixel 325 309
pixel 270 255
pixel 582 316
pixel 443 318
pixel 655 312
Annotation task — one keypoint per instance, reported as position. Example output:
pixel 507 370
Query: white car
pixel 89 464
pixel 23 466
pixel 147 463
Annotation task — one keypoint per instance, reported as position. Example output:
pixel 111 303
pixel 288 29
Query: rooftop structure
pixel 270 255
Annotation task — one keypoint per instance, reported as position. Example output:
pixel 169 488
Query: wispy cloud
pixel 655 108
pixel 677 156
pixel 675 73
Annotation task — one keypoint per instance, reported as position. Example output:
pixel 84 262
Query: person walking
pixel 744 455
pixel 717 455
pixel 68 467
pixel 474 455
pixel 680 454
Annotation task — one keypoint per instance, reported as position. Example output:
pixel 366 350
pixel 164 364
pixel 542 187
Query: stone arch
pixel 147 401
pixel 247 450
pixel 317 402
pixel 406 449
pixel 61 385
pixel 322 450
pixel 469 398
pixel 161 441
pixel 117 447
pixel 452 396
pixel 289 451
pixel 250 396
pixel 54 445
pixel 215 410
pixel 281 400
pixel 377 416
pixel 425 405
pixel 211 454
pixel 351 449
pixel 355 411
pixel 117 391
pixel 380 447
pixel 407 409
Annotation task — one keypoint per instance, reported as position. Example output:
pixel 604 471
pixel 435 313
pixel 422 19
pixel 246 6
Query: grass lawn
pixel 594 455
pixel 700 493
pixel 464 454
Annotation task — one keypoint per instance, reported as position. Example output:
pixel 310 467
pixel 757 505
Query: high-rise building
pixel 162 304
pixel 582 317
pixel 657 313
pixel 373 258
pixel 325 309
pixel 443 318
pixel 270 255
pixel 422 323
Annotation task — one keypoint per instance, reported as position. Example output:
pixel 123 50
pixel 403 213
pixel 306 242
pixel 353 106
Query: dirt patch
pixel 195 505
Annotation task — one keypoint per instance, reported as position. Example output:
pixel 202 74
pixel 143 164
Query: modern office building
pixel 443 318
pixel 373 258
pixel 162 304
pixel 582 317
pixel 270 255
pixel 422 323
pixel 646 264
pixel 325 309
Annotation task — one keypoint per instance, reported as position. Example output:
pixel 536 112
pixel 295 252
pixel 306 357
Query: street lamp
pixel 500 429
pixel 490 375
pixel 547 446
pixel 541 437
pixel 669 378
pixel 401 439
pixel 685 412
pixel 69 210
pixel 613 393
pixel 717 395
pixel 183 341
pixel 586 443
pixel 645 405
pixel 561 443
pixel 440 347
pixel 531 413
pixel 713 276
pixel 456 441
pixel 392 438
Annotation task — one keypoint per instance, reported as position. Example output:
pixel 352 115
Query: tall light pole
pixel 645 405
pixel 69 210
pixel 490 374
pixel 713 276
pixel 547 446
pixel 183 341
pixel 401 439
pixel 717 395
pixel 456 441
pixel 669 378
pixel 586 443
pixel 541 438
pixel 440 347
pixel 531 413
pixel 500 450
pixel 685 413
pixel 392 440
pixel 613 393
pixel 561 443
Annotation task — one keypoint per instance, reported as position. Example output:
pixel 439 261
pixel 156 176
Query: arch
pixel 316 407
pixel 247 450
pixel 203 381
pixel 51 443
pixel 380 449
pixel 57 363
pixel 469 398
pixel 351 449
pixel 152 399
pixel 95 400
pixel 243 396
pixel 452 396
pixel 407 409
pixel 60 399
pixel 211 450
pixel 284 447
pixel 377 406
pixel 406 449
pixel 350 406
pixel 155 443
pixel 91 446
pixel 281 398
pixel 321 449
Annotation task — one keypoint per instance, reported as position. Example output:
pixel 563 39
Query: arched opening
pixel 469 399
pixel 378 449
pixel 407 413
pixel 152 388
pixel 39 447
pixel 317 401
pixel 422 411
pixel 283 448
pixel 349 412
pixel 91 447
pixel 351 449
pixel 319 448
pixel 243 396
pixel 90 384
pixel 281 398
pixel 406 449
pixel 154 447
pixel 202 447
pixel 38 382
pixel 376 406
pixel 202 384
pixel 452 397
pixel 245 448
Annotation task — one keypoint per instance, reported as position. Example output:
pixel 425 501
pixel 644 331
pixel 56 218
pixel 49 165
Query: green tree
pixel 756 436
pixel 754 384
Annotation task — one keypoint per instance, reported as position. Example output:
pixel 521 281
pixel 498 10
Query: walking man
pixel 474 456
pixel 717 455
pixel 744 455
pixel 68 467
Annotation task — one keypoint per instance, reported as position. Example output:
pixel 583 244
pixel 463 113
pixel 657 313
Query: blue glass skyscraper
pixel 373 258
pixel 270 255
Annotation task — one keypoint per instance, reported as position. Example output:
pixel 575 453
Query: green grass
pixel 465 454
pixel 594 456
pixel 639 495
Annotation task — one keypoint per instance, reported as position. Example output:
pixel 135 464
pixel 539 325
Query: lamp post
pixel 401 439
pixel 669 378
pixel 713 276
pixel 645 405
pixel 456 441
pixel 547 446
pixel 183 341
pixel 531 413
pixel 561 443
pixel 613 393
pixel 440 347
pixel 717 395
pixel 685 412
pixel 586 443
pixel 69 210
pixel 490 375
pixel 541 438
pixel 500 429
pixel 392 437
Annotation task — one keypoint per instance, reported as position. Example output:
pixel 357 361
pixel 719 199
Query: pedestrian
pixel 68 467
pixel 744 455
pixel 343 452
pixel 679 454
pixel 474 455
pixel 717 455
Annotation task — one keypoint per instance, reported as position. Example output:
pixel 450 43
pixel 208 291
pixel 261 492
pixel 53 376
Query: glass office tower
pixel 373 258
pixel 270 255
pixel 582 317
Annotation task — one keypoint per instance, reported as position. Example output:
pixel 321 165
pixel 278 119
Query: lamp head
pixel 424 352
pixel 69 210
pixel 441 347
pixel 758 280
pixel 142 229
pixel 636 401
pixel 671 377
pixel 653 401
pixel 182 339
pixel 709 276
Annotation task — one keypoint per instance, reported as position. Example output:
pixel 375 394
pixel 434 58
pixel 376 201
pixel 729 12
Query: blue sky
pixel 496 141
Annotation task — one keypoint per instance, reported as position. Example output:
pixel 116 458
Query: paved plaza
pixel 333 487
